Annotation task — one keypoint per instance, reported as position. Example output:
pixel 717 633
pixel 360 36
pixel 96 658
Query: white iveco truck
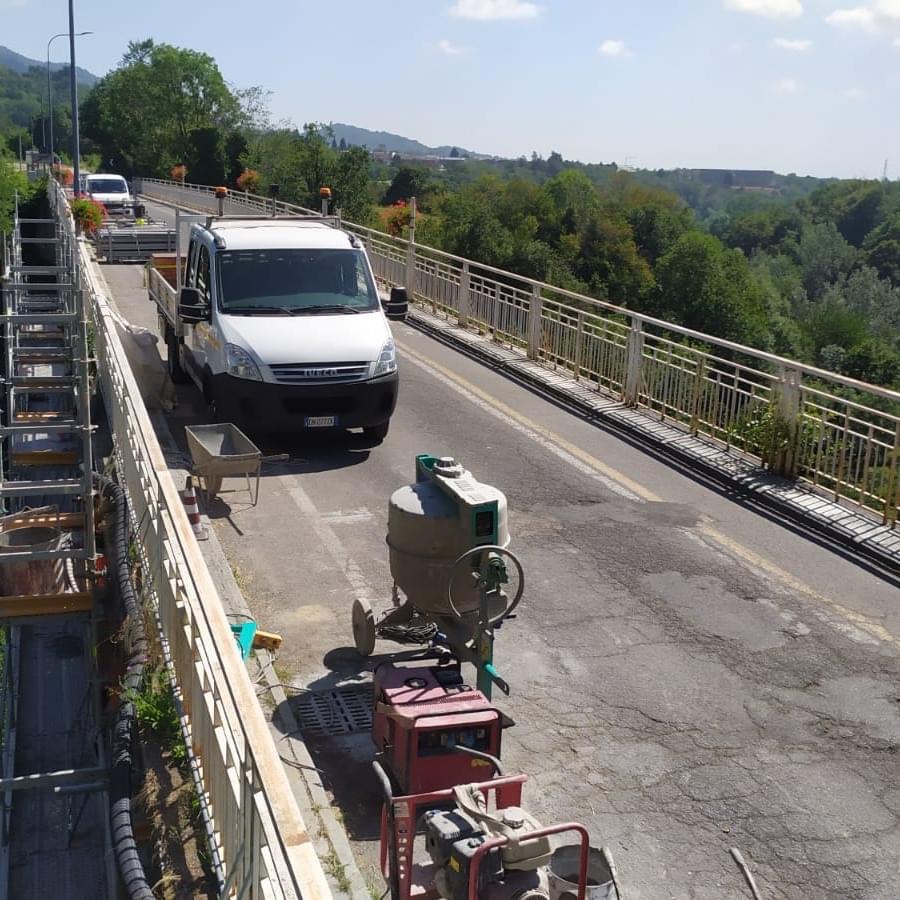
pixel 278 321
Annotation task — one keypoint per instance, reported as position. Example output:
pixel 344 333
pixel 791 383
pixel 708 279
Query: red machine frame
pixel 409 704
pixel 400 816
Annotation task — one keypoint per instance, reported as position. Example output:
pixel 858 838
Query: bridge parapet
pixel 837 433
pixel 259 835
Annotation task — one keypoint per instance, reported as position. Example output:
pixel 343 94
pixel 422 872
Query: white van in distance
pixel 110 190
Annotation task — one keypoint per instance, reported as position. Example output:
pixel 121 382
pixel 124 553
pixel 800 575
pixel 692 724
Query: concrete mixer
pixel 448 537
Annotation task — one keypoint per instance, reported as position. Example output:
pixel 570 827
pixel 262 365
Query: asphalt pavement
pixel 687 674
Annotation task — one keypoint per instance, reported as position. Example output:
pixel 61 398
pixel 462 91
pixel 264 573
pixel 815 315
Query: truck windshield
pixel 260 282
pixel 106 186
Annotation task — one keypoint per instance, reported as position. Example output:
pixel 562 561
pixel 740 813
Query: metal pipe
pixel 50 87
pixel 73 87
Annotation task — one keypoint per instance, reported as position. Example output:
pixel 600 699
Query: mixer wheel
pixel 363 627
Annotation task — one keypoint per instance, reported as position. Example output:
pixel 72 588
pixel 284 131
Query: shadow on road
pixel 343 757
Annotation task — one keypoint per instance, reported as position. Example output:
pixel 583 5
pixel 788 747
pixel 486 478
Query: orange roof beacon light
pixel 221 193
pixel 325 195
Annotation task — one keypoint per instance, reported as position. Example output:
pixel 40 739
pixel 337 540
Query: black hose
pixel 131 869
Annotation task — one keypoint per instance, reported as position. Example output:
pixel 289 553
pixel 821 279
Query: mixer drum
pixel 427 533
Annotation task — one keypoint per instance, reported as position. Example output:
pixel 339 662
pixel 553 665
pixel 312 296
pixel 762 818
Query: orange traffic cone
pixel 189 497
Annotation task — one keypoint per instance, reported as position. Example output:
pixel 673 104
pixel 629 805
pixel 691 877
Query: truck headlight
pixel 239 363
pixel 387 359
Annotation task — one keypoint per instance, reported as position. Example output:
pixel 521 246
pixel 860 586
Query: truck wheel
pixel 376 433
pixel 173 364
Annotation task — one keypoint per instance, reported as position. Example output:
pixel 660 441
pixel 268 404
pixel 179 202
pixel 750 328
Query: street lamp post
pixel 50 85
pixel 73 90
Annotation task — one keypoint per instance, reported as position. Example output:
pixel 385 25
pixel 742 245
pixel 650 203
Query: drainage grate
pixel 345 710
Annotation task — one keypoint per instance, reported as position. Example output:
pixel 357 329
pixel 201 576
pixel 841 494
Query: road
pixel 687 674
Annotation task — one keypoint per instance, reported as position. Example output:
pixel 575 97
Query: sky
pixel 804 86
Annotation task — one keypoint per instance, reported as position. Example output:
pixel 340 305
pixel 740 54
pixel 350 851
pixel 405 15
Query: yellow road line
pixel 857 620
pixel 870 627
pixel 548 435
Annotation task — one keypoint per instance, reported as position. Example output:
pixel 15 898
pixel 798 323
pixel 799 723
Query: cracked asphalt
pixel 669 691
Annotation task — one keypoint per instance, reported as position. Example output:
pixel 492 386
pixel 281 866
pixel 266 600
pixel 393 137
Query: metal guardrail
pixel 840 434
pixel 262 840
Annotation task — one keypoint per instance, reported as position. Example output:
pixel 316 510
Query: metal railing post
pixel 634 352
pixel 787 407
pixel 535 310
pixel 463 299
pixel 579 345
pixel 411 251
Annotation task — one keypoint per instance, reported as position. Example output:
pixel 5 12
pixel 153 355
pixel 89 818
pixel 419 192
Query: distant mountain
pixel 21 64
pixel 394 143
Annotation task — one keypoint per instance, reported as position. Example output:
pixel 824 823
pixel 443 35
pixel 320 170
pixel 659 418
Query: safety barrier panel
pixel 838 433
pixel 259 833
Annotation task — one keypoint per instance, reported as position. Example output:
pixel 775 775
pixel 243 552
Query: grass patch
pixel 154 706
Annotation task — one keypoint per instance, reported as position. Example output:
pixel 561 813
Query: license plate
pixel 320 421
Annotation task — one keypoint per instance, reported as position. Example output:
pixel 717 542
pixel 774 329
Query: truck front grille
pixel 320 373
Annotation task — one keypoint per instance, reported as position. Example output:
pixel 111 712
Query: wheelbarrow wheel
pixel 363 627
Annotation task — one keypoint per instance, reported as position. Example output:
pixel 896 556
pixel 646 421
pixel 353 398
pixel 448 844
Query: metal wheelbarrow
pixel 220 451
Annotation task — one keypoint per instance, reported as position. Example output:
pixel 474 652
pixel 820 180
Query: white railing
pixel 840 434
pixel 260 836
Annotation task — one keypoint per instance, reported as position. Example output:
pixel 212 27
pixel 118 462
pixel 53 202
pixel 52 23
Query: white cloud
pixel 855 17
pixel 12 4
pixel 771 9
pixel 614 48
pixel 853 94
pixel 888 9
pixel 494 9
pixel 787 86
pixel 451 49
pixel 798 46
pixel 897 43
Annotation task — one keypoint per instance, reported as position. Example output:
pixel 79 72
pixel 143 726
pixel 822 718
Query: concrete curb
pixel 748 487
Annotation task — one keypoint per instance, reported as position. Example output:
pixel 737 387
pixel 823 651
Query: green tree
pixel 205 158
pixel 13 182
pixel 703 285
pixel 882 249
pixel 830 321
pixel 824 256
pixel 351 185
pixel 873 360
pixel 609 263
pixel 142 115
pixel 855 207
pixel 409 181
pixel 574 198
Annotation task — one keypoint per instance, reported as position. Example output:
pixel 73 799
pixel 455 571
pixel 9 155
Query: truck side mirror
pixel 397 306
pixel 191 306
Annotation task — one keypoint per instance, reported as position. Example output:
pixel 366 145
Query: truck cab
pixel 280 324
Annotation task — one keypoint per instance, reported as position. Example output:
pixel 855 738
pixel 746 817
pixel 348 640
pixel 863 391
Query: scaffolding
pixel 45 434
pixel 53 777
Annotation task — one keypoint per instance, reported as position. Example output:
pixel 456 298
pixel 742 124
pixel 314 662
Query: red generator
pixel 424 713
